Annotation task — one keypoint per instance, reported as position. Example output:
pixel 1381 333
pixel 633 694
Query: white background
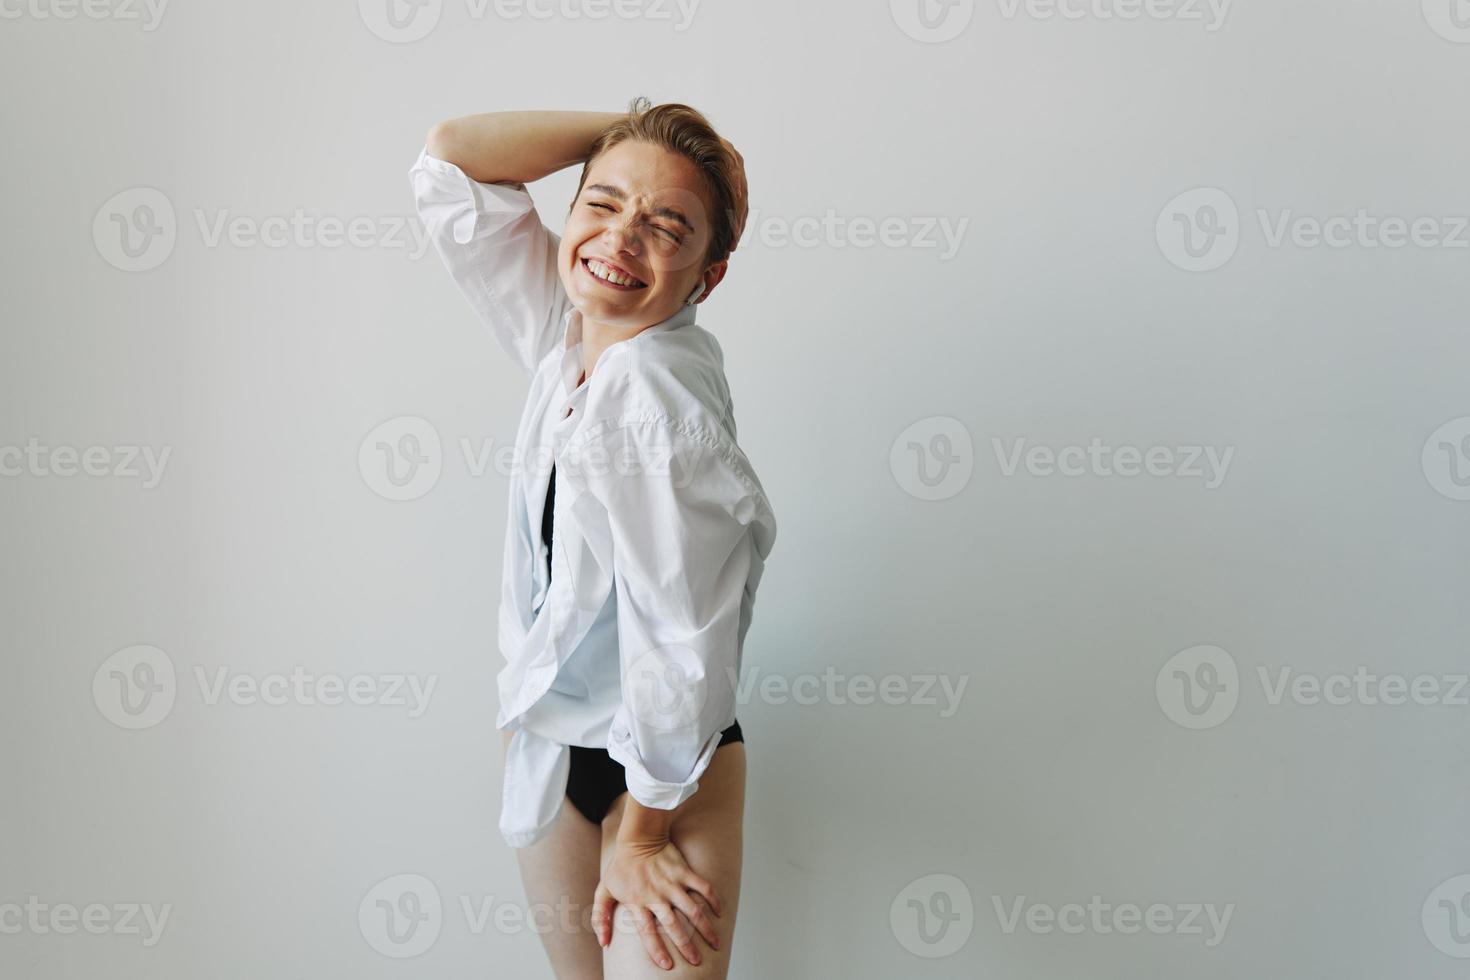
pixel 1334 542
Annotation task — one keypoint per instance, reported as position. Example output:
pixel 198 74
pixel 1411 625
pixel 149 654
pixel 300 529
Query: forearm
pixel 517 146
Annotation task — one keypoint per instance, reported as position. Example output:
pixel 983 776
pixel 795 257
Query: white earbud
pixel 698 291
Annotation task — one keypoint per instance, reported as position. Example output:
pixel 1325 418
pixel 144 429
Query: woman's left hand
pixel 655 882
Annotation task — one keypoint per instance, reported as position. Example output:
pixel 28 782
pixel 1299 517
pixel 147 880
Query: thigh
pixel 560 874
pixel 709 831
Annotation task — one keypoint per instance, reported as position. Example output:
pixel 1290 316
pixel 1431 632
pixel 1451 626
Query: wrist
pixel 640 848
pixel 644 826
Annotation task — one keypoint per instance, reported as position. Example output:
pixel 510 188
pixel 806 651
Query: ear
pixel 711 279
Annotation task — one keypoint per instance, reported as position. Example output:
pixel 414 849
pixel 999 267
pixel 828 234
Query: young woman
pixel 638 530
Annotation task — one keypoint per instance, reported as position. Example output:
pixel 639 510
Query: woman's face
pixel 642 215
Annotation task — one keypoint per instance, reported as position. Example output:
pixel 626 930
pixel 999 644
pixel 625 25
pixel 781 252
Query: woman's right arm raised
pixel 523 146
pixel 469 189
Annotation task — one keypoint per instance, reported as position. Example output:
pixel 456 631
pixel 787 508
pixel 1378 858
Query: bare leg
pixel 709 831
pixel 560 874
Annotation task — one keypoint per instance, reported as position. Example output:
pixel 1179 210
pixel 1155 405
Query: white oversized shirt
pixel 661 527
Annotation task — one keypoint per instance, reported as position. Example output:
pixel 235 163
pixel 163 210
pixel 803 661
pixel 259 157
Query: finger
pixel 602 911
pixel 694 912
pixel 678 930
pixel 695 883
pixel 652 944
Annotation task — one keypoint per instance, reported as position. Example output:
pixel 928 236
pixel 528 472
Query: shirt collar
pixel 571 359
pixel 572 321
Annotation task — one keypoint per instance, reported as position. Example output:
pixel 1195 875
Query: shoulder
pixel 681 372
pixel 670 379
pixel 666 396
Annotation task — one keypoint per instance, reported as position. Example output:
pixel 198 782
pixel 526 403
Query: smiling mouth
pixel 611 276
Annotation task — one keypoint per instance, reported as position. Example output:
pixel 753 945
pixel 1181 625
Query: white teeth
pixel 602 271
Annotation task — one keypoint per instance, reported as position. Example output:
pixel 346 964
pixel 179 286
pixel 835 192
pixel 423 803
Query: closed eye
pixel 668 233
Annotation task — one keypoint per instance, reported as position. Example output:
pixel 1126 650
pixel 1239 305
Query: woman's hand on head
pixel 658 886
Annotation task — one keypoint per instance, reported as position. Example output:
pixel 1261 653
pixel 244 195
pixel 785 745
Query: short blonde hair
pixel 685 131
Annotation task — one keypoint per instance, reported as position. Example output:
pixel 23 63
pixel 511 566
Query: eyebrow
pixel 618 194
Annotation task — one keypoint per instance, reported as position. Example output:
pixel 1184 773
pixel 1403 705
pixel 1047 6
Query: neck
pixel 598 337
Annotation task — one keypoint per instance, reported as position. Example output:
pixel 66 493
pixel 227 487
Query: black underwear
pixel 596 779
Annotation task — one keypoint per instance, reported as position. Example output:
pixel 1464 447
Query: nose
pixel 622 234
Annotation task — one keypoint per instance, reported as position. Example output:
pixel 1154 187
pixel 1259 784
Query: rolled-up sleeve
pixel 689 528
pixel 498 252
